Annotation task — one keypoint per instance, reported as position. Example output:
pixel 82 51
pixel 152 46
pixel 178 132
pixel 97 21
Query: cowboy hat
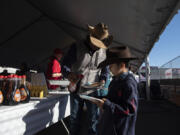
pixel 99 35
pixel 116 55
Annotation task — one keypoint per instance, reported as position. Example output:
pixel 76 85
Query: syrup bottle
pixel 13 95
pixel 1 89
pixel 25 93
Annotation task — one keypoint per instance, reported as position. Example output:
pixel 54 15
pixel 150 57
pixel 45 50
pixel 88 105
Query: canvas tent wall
pixel 31 29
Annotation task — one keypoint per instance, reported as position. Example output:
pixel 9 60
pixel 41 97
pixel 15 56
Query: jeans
pixel 76 112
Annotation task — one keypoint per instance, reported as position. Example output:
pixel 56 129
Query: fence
pixel 168 77
pixel 170 80
pixel 171 69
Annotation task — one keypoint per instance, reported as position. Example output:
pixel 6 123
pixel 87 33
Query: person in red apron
pixel 54 68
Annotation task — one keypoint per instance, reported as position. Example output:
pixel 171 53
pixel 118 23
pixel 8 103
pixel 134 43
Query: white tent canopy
pixel 31 29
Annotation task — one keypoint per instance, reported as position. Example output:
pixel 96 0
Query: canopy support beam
pixel 147 78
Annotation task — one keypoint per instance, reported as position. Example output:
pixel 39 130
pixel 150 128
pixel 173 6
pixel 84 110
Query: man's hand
pixel 72 77
pixel 102 82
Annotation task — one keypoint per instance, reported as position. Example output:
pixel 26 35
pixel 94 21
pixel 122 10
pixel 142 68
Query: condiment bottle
pixel 1 89
pixel 12 96
pixel 25 93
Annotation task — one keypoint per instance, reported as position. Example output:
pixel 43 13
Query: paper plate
pixel 92 99
pixel 93 85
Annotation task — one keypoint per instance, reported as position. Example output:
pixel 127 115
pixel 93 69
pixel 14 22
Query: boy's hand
pixel 104 99
pixel 100 104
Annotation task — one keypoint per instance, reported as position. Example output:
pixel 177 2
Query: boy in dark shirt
pixel 120 106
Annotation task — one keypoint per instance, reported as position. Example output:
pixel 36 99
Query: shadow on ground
pixel 154 118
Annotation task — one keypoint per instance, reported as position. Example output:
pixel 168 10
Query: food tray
pixel 59 82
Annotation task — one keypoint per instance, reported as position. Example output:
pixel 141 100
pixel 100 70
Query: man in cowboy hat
pixel 120 106
pixel 83 58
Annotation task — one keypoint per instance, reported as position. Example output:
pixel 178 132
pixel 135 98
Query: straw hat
pixel 99 35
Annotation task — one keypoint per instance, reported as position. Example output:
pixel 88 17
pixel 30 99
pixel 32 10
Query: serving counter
pixel 32 117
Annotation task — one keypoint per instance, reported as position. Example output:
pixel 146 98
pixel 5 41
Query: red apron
pixel 53 67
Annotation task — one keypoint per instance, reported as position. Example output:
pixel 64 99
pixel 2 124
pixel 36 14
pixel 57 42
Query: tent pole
pixel 147 78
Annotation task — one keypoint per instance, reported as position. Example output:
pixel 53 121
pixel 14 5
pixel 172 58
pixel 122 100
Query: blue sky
pixel 168 46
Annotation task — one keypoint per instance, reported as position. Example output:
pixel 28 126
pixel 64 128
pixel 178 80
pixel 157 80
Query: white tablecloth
pixel 29 118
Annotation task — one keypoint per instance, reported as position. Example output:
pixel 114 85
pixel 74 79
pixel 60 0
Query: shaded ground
pixel 158 118
pixel 154 118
